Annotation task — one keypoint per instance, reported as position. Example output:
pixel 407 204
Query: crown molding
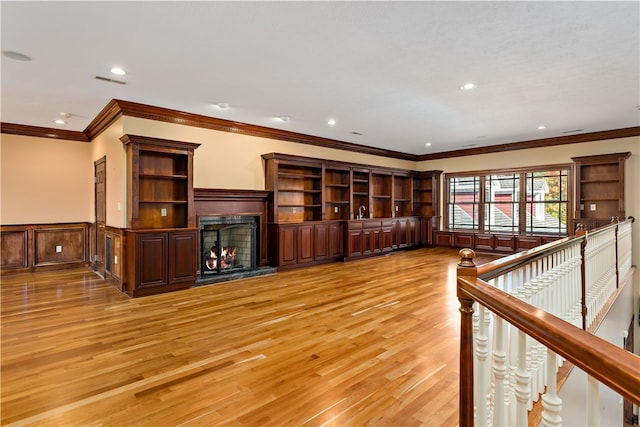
pixel 105 118
pixel 117 108
pixel 536 143
pixel 42 132
pixel 132 109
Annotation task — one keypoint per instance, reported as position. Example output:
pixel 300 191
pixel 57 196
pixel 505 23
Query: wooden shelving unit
pixel 426 187
pixel 337 200
pixel 161 240
pixel 599 189
pixel 402 195
pixel 313 211
pixel 381 189
pixel 360 181
pixel 297 189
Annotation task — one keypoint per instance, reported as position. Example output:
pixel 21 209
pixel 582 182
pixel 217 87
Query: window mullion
pixel 481 203
pixel 522 204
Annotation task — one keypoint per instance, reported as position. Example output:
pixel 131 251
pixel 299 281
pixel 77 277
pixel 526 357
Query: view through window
pixel 524 201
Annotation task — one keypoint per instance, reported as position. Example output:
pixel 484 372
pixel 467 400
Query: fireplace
pixel 230 249
pixel 229 244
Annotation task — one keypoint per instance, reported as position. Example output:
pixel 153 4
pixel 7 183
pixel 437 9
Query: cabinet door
pixel 413 232
pixel 368 241
pixel 401 233
pixel 287 245
pixel 335 240
pixel 355 241
pixel 426 230
pixel 321 241
pixel 182 256
pixel 305 243
pixel 386 236
pixel 151 260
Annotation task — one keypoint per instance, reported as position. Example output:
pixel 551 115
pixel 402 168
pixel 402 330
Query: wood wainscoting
pixel 490 242
pixel 44 247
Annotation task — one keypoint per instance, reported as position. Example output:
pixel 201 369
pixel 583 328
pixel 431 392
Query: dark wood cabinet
pixel 160 261
pixel 305 243
pixel 325 210
pixel 297 188
pixel 406 232
pixel 599 184
pixel 367 238
pixel 161 240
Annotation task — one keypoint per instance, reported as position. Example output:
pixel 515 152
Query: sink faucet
pixel 360 209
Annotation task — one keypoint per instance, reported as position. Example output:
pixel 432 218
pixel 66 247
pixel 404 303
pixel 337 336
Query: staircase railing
pixel 522 316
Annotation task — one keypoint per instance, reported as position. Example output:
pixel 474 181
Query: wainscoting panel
pixel 43 246
pixel 59 245
pixel 14 249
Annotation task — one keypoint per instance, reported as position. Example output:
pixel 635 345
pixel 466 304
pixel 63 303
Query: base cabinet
pixel 368 238
pixel 295 245
pixel 160 260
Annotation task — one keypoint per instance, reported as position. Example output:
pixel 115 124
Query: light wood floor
pixel 372 342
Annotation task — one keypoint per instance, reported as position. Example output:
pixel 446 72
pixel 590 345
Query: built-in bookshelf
pixel 337 185
pixel 599 188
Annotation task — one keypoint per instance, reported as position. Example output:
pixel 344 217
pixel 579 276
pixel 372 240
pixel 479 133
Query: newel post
pixel 468 270
pixel 581 231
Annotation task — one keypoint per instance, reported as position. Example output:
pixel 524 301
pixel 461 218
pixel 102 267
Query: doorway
pixel 100 191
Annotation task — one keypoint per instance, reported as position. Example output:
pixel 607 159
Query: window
pixel 532 201
pixel 547 202
pixel 464 202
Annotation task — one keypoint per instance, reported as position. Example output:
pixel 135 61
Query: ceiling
pixel 389 73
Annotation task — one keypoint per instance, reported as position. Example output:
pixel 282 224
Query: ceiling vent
pixel 107 79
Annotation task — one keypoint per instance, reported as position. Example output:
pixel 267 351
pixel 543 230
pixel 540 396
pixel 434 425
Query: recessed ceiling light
pixel 468 86
pixel 331 122
pixel 542 127
pixel 16 55
pixel 284 118
pixel 118 71
pixel 222 105
pixel 427 144
pixel 65 115
pixel 59 122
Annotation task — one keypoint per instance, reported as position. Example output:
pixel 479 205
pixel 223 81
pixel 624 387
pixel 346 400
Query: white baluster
pixel 593 402
pixel 499 374
pixel 482 372
pixel 523 382
pixel 551 403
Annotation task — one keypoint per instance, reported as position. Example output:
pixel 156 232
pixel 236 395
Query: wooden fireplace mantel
pixel 222 202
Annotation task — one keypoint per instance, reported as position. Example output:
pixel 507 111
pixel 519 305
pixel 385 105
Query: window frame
pixel 521 203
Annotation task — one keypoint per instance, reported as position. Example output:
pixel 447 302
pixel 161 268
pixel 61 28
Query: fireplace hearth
pixel 229 249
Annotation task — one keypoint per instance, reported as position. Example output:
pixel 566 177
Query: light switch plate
pixel 592 206
pixel 163 211
pixel 58 249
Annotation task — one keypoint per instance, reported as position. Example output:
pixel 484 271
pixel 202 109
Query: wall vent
pixel 107 79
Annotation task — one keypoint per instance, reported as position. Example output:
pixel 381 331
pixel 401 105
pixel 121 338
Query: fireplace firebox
pixel 229 244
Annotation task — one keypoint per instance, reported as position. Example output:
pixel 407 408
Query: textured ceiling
pixel 391 71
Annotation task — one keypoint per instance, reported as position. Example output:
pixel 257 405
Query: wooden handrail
pixel 605 362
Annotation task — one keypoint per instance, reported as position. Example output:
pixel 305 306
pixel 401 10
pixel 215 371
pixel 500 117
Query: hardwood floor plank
pixel 371 342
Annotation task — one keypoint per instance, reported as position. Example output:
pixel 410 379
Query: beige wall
pixel 108 144
pixel 45 180
pixel 232 161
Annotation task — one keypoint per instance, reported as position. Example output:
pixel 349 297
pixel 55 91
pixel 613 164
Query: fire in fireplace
pixel 229 244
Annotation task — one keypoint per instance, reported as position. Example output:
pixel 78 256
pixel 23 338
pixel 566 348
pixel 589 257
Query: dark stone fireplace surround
pixel 234 207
